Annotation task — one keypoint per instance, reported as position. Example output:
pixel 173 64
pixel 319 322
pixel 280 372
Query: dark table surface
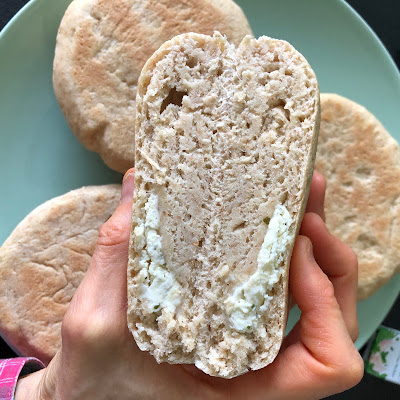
pixel 383 16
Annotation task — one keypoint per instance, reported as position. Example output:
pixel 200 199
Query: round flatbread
pixel 219 198
pixel 43 262
pixel 361 163
pixel 101 48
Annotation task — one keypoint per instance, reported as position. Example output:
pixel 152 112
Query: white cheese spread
pixel 250 298
pixel 160 290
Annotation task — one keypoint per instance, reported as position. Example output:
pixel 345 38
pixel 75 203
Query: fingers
pixel 110 259
pixel 321 323
pixel 335 258
pixel 316 197
pixel 107 271
pixel 321 331
pixel 315 204
pixel 313 292
pixel 319 357
pixel 339 263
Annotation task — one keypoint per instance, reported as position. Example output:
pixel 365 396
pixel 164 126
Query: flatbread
pixel 226 140
pixel 361 163
pixel 101 48
pixel 43 262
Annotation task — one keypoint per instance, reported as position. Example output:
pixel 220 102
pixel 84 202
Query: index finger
pixel 339 263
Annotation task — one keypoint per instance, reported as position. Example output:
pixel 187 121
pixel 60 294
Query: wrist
pixel 28 385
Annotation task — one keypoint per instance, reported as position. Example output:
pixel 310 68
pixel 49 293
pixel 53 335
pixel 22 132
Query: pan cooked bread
pixel 361 162
pixel 225 146
pixel 101 48
pixel 43 262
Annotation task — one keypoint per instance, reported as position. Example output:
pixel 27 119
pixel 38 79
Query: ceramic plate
pixel 40 158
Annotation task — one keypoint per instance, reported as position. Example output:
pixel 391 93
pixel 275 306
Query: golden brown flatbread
pixel 361 163
pixel 101 48
pixel 43 262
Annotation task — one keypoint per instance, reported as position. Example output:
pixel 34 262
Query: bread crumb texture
pixel 361 163
pixel 225 145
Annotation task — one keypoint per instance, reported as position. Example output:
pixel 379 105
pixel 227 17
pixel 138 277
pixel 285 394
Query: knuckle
pixel 347 371
pixel 328 291
pixel 112 233
pixel 351 258
pixel 354 372
pixel 71 327
pixel 348 256
pixel 84 330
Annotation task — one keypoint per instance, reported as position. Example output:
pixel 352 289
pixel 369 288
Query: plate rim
pixel 22 10
pixel 377 39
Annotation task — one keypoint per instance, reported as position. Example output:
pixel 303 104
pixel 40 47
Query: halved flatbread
pixel 225 146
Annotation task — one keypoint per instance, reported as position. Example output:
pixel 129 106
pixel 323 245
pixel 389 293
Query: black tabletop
pixel 383 16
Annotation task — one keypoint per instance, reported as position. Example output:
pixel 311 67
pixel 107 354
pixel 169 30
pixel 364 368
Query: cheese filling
pixel 251 298
pixel 160 290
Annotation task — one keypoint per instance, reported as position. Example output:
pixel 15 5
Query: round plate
pixel 40 158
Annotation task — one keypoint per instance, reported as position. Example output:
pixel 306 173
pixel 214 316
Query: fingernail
pixel 128 184
pixel 318 175
pixel 130 172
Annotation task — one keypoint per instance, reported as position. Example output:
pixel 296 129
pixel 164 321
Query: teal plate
pixel 40 158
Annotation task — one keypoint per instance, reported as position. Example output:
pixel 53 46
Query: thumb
pixel 104 284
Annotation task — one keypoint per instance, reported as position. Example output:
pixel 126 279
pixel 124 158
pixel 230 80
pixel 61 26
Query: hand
pixel 99 358
pixel 318 357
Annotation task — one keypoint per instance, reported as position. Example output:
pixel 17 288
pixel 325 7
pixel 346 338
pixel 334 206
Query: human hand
pixel 318 357
pixel 99 358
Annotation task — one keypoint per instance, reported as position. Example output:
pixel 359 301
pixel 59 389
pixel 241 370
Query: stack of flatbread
pixel 101 49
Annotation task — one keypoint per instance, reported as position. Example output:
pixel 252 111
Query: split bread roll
pixel 102 45
pixel 361 163
pixel 225 147
pixel 43 262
